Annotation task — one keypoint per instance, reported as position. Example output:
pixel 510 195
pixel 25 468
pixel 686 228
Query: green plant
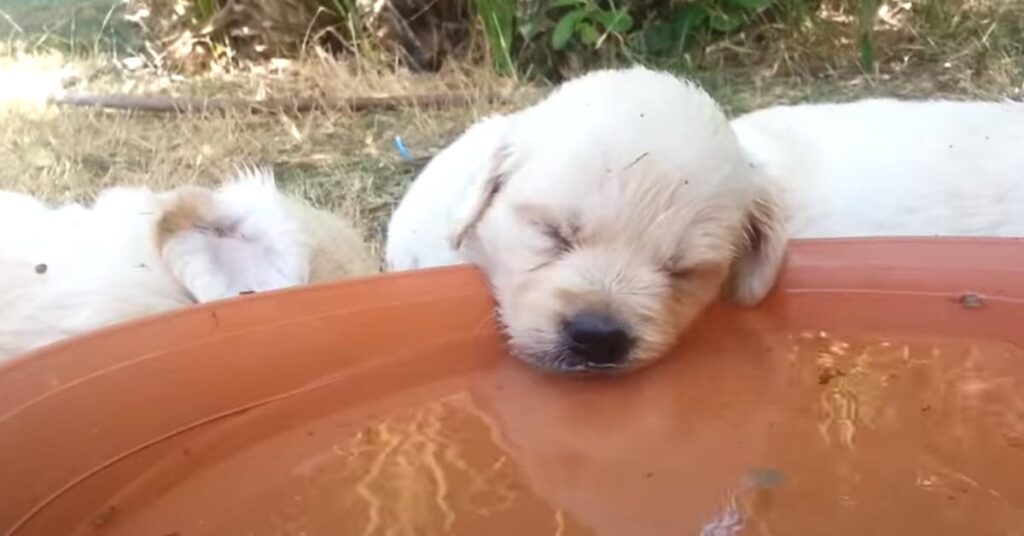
pixel 206 9
pixel 350 25
pixel 588 23
pixel 866 42
pixel 683 26
pixel 553 37
pixel 547 38
pixel 498 17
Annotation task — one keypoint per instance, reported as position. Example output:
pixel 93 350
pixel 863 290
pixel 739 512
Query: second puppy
pixel 134 252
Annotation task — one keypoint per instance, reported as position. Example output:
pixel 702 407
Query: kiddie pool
pixel 879 390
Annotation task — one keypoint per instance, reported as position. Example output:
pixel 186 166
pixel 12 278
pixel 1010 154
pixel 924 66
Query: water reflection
pixel 777 434
pixel 433 470
pixel 728 523
pixel 870 431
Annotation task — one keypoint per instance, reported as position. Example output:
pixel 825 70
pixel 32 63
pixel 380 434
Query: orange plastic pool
pixel 880 390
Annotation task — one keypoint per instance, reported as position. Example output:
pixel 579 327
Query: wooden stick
pixel 168 104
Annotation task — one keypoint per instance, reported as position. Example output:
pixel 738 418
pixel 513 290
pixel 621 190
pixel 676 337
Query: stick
pixel 168 104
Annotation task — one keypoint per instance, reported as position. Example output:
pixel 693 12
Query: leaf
pixel 206 8
pixel 659 37
pixel 528 29
pixel 588 34
pixel 753 5
pixel 725 23
pixel 689 18
pixel 498 17
pixel 566 3
pixel 564 29
pixel 615 20
pixel 868 12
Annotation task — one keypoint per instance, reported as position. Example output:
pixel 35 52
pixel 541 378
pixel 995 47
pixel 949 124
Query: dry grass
pixel 925 48
pixel 348 162
pixel 339 160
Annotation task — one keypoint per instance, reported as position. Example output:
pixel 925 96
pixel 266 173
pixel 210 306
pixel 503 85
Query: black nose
pixel 597 339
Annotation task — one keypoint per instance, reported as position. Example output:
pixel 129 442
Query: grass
pixel 343 161
pixel 348 162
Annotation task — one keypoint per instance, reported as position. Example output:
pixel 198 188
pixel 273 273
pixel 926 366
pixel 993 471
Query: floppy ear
pixel 236 240
pixel 756 268
pixel 480 196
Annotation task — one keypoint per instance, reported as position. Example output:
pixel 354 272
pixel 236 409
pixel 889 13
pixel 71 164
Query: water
pixel 781 433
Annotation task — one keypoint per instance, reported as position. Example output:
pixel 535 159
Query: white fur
pixel 264 248
pixel 884 167
pixel 136 252
pixel 420 228
pixel 640 169
pixel 705 194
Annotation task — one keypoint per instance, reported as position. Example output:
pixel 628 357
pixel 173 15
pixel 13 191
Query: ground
pixel 348 161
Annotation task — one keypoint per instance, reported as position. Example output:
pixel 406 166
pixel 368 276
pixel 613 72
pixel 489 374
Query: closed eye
pixel 562 240
pixel 679 272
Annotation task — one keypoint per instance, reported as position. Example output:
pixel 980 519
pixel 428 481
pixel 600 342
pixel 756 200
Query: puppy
pixel 884 167
pixel 606 218
pixel 610 214
pixel 135 252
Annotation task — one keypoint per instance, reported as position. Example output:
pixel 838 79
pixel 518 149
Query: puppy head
pixel 248 236
pixel 613 213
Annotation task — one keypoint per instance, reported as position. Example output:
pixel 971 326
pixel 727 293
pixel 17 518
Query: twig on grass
pixel 169 104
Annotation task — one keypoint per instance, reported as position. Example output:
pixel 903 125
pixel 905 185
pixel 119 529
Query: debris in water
pixel 828 374
pixel 104 517
pixel 970 300
pixel 764 478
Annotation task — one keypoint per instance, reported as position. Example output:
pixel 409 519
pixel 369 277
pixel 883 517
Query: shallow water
pixel 774 433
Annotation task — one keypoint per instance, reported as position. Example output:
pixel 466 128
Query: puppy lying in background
pixel 885 167
pixel 611 214
pixel 135 252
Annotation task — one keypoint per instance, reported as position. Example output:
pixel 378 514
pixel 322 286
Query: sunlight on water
pixel 436 470
pixel 815 433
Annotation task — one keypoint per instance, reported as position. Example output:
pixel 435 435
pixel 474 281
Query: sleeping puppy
pixel 606 218
pixel 884 167
pixel 135 252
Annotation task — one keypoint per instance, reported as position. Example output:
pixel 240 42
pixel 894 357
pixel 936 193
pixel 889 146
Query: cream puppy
pixel 135 252
pixel 606 218
pixel 610 214
pixel 884 167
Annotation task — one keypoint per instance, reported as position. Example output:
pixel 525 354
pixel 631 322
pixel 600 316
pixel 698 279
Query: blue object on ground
pixel 402 150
